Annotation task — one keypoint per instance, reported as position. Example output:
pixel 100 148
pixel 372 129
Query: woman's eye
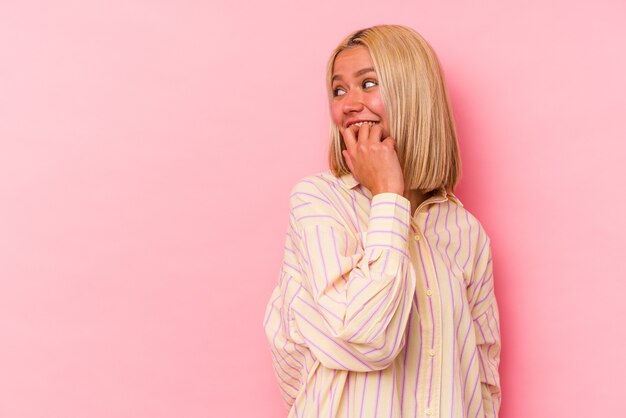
pixel 338 92
pixel 369 83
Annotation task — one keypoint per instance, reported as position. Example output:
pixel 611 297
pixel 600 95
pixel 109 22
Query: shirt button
pixel 417 237
pixel 428 411
pixel 431 353
pixel 429 292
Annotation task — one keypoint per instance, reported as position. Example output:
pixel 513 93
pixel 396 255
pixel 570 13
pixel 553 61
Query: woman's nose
pixel 353 102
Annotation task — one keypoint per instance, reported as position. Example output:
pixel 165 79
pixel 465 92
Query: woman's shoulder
pixel 468 223
pixel 322 199
pixel 319 187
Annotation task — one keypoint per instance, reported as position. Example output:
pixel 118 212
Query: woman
pixel 385 304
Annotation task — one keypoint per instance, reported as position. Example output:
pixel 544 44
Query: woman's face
pixel 356 97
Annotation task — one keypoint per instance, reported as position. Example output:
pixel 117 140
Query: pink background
pixel 147 150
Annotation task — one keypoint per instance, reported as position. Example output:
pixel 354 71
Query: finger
pixel 346 156
pixel 364 131
pixel 384 133
pixel 392 142
pixel 376 133
pixel 349 138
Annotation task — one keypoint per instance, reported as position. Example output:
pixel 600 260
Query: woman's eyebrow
pixel 357 74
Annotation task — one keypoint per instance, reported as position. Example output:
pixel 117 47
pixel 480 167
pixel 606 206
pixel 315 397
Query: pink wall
pixel 147 146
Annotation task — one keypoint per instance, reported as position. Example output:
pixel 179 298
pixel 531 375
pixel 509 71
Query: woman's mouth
pixel 359 124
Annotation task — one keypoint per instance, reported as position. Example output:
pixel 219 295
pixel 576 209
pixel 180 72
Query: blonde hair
pixel 418 110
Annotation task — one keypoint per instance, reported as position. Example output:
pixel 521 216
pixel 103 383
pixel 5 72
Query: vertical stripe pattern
pixel 379 312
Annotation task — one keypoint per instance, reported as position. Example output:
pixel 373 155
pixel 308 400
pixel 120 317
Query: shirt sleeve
pixel 354 300
pixel 289 357
pixel 484 308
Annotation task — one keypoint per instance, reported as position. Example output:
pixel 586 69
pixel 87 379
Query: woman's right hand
pixel 372 161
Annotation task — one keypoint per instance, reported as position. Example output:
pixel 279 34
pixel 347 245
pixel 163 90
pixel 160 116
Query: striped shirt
pixel 378 313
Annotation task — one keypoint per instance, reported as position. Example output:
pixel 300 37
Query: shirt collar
pixel 351 182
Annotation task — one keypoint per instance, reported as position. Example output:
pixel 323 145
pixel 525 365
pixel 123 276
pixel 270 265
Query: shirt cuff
pixel 389 222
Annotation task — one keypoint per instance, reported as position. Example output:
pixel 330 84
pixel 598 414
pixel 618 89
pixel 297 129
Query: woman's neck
pixel 416 197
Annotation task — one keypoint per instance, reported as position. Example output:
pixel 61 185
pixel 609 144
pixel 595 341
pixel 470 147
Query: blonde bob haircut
pixel 414 94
